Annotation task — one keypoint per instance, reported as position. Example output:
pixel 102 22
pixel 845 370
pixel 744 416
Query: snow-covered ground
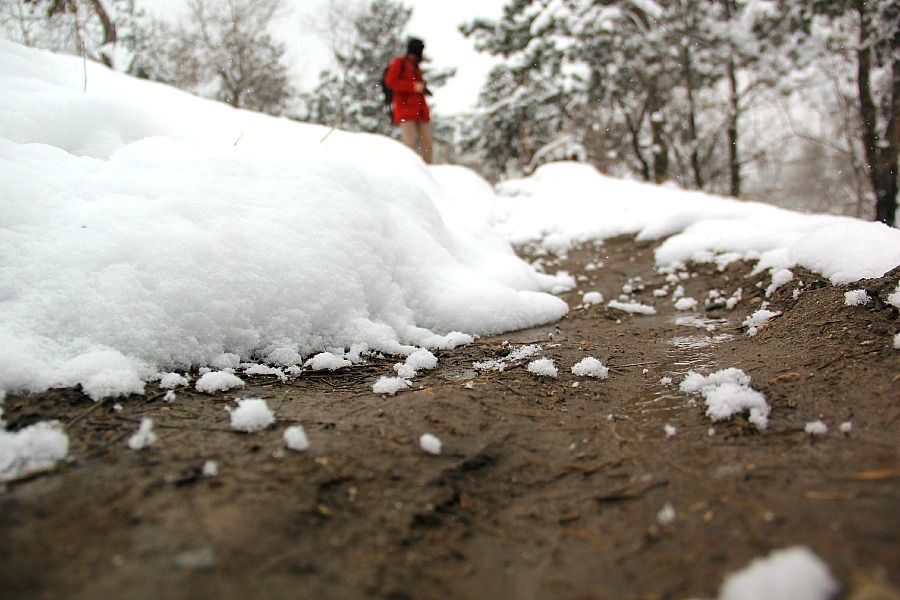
pixel 144 230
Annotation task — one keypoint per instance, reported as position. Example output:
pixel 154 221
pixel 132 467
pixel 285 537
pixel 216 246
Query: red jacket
pixel 408 104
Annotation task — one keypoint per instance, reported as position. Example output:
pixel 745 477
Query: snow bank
pixel 146 229
pixel 789 574
pixel 569 202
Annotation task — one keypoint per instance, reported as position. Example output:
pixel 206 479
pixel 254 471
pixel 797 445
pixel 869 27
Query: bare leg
pixel 425 137
pixel 409 134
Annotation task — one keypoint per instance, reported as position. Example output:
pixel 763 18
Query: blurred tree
pixel 80 26
pixel 867 32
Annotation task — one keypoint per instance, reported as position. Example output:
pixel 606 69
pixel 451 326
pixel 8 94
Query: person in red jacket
pixel 404 78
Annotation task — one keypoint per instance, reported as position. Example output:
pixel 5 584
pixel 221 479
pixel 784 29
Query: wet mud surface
pixel 545 487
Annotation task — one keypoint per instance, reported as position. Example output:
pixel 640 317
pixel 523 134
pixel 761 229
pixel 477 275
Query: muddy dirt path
pixel 545 488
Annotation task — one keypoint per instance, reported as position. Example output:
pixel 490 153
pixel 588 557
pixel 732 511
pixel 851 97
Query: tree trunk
pixel 660 148
pixel 734 164
pixel 881 154
pixel 687 70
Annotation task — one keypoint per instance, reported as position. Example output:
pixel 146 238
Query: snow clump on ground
pixel 500 364
pixel 894 298
pixel 326 361
pixel 543 367
pixel 856 298
pixel 418 360
pixel 727 392
pixel 295 438
pixel 816 428
pixel 31 449
pixel 251 415
pixel 218 381
pixel 685 304
pixel 590 367
pixel 390 385
pixel 632 307
pixel 789 574
pixel 144 437
pixel 430 443
pixel 590 298
pixel 779 278
pixel 758 319
pixel 167 381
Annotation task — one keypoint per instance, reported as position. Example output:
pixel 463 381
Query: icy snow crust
pixel 145 229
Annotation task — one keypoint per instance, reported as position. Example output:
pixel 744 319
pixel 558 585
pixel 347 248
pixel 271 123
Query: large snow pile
pixel 564 203
pixel 145 229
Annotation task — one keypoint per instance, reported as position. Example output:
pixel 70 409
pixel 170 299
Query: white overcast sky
pixel 435 21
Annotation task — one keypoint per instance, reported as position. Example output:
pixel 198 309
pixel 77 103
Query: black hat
pixel 416 47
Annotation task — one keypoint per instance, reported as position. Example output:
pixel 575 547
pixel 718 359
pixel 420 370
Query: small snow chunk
pixel 897 342
pixel 779 278
pixel 645 371
pixel 816 428
pixel 736 297
pixel 727 392
pixel 894 298
pixel 326 361
pixel 523 352
pixel 666 515
pixel 846 427
pixel 256 369
pixel 711 431
pixel 661 292
pixel 418 360
pixel 590 298
pixel 390 385
pixel 169 398
pixel 666 380
pixel 118 407
pixel 454 339
pixel 857 298
pixel 685 304
pixel 430 443
pixel 632 307
pixel 678 293
pixel 210 468
pixel 758 319
pixel 251 415
pixel 543 367
pixel 144 436
pixel 295 438
pixel 590 367
pixel 670 430
pixel 627 288
pixel 790 574
pixel 172 380
pixel 31 449
pixel 218 381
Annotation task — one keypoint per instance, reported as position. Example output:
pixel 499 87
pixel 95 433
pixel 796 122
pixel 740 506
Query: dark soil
pixel 543 490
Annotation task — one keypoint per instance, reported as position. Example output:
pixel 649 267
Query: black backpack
pixel 388 92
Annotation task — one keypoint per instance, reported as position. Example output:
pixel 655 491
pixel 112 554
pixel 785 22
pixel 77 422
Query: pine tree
pixel 523 106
